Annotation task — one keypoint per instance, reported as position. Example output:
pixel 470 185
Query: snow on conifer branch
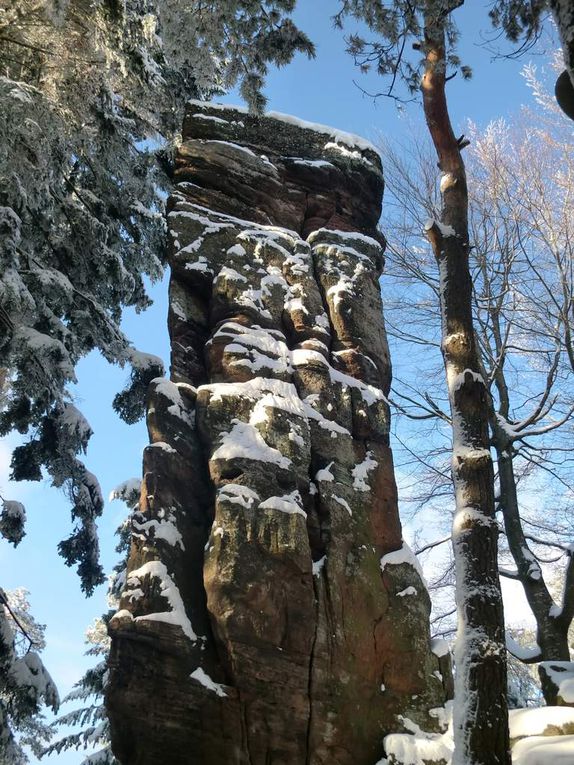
pixel 88 94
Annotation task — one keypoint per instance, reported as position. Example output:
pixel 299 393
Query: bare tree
pixel 522 234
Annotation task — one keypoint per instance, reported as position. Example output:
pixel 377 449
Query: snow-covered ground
pixel 527 730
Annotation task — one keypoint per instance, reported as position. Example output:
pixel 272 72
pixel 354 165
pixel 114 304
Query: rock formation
pixel 272 614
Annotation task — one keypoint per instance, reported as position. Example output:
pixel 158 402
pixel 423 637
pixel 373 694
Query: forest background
pixel 320 90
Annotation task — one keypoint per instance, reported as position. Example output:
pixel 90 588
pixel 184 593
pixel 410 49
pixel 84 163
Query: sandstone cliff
pixel 272 613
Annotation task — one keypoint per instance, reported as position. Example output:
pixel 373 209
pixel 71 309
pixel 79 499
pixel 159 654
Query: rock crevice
pixel 272 613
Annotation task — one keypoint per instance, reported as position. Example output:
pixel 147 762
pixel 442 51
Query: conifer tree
pixel 25 684
pixel 90 718
pixel 90 97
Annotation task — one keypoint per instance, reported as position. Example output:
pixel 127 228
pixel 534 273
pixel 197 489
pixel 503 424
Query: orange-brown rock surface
pixel 272 614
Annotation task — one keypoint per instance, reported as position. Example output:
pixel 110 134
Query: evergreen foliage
pixel 91 717
pixel 89 95
pixel 398 29
pixel 25 684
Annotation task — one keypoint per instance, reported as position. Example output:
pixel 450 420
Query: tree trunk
pixel 563 12
pixel 551 629
pixel 552 621
pixel 480 710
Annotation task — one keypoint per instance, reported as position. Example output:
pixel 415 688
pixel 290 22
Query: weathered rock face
pixel 272 614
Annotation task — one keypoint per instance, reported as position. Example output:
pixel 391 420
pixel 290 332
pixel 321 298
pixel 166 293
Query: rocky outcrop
pixel 272 614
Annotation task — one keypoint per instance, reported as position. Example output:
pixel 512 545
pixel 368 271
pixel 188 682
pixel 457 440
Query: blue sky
pixel 321 90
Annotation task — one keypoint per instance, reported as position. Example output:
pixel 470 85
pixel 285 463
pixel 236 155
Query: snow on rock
pixel 310 162
pixel 351 154
pixel 533 721
pixel 404 555
pixel 163 446
pixel 318 565
pixel 237 494
pixel 561 675
pixel 528 725
pixel 202 677
pixel 419 747
pixel 369 393
pixel 405 749
pixel 361 472
pixel 345 236
pixel 164 529
pixel 171 391
pixel 208 117
pixel 343 503
pixel 244 441
pixel 284 393
pixel 325 473
pixel 177 614
pixel 284 341
pixel 257 348
pixel 339 136
pixel 544 750
pixel 291 504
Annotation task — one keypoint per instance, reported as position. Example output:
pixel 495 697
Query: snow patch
pixel 164 529
pixel 343 503
pixel 521 652
pixel 236 494
pixel 318 565
pixel 544 750
pixel 533 721
pixel 561 673
pixel 291 504
pixel 14 510
pixel 177 615
pixel 361 472
pixel 325 473
pixel 404 555
pixel 337 135
pixel 407 591
pixel 126 490
pixel 244 441
pixel 202 677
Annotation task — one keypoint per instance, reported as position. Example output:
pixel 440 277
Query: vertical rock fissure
pixel 294 594
pixel 308 753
